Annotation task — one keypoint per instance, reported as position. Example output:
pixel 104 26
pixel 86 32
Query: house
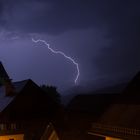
pixel 121 120
pixel 25 110
pixel 82 110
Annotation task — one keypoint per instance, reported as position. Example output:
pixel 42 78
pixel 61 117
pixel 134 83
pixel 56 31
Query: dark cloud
pixel 121 58
pixel 103 34
pixel 2 21
pixel 58 16
pixel 48 16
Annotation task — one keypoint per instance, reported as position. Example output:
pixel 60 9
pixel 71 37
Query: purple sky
pixel 103 36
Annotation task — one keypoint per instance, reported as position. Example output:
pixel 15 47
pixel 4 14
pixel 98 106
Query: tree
pixel 51 91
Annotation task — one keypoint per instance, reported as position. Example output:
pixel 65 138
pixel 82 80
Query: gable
pixel 133 86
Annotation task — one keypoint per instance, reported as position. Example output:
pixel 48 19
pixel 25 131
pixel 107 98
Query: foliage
pixel 52 93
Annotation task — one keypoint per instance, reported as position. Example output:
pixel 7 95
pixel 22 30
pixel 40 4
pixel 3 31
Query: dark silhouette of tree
pixel 56 109
pixel 51 91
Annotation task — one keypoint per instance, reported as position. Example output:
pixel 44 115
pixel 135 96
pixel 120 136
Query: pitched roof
pixel 124 114
pixel 5 100
pixel 126 110
pixel 133 86
pixel 3 73
pixel 121 120
pixel 20 85
pixel 90 107
pixel 91 102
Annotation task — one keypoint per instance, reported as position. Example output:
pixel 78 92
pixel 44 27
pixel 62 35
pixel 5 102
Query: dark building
pixel 121 121
pixel 82 110
pixel 26 110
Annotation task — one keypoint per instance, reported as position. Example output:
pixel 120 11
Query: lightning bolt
pixel 61 53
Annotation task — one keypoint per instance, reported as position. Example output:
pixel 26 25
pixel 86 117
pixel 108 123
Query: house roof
pixel 133 86
pixel 122 115
pixel 91 106
pixel 5 100
pixel 121 119
pixel 125 112
pixel 3 72
pixel 91 102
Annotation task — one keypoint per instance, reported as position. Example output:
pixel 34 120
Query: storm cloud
pixel 102 35
pixel 52 17
pixel 121 58
pixel 58 16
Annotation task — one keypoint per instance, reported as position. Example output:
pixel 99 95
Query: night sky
pixel 102 36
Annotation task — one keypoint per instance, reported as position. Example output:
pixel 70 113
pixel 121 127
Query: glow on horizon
pixel 63 54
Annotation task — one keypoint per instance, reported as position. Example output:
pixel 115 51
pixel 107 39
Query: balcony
pixel 108 130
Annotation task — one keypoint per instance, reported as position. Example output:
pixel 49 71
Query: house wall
pixel 12 137
pixel 53 136
pixel 50 133
pixel 111 138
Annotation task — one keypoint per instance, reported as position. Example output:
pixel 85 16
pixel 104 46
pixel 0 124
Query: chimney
pixel 6 81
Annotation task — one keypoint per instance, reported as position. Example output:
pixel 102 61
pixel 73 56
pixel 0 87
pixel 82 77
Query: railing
pixel 10 128
pixel 109 128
